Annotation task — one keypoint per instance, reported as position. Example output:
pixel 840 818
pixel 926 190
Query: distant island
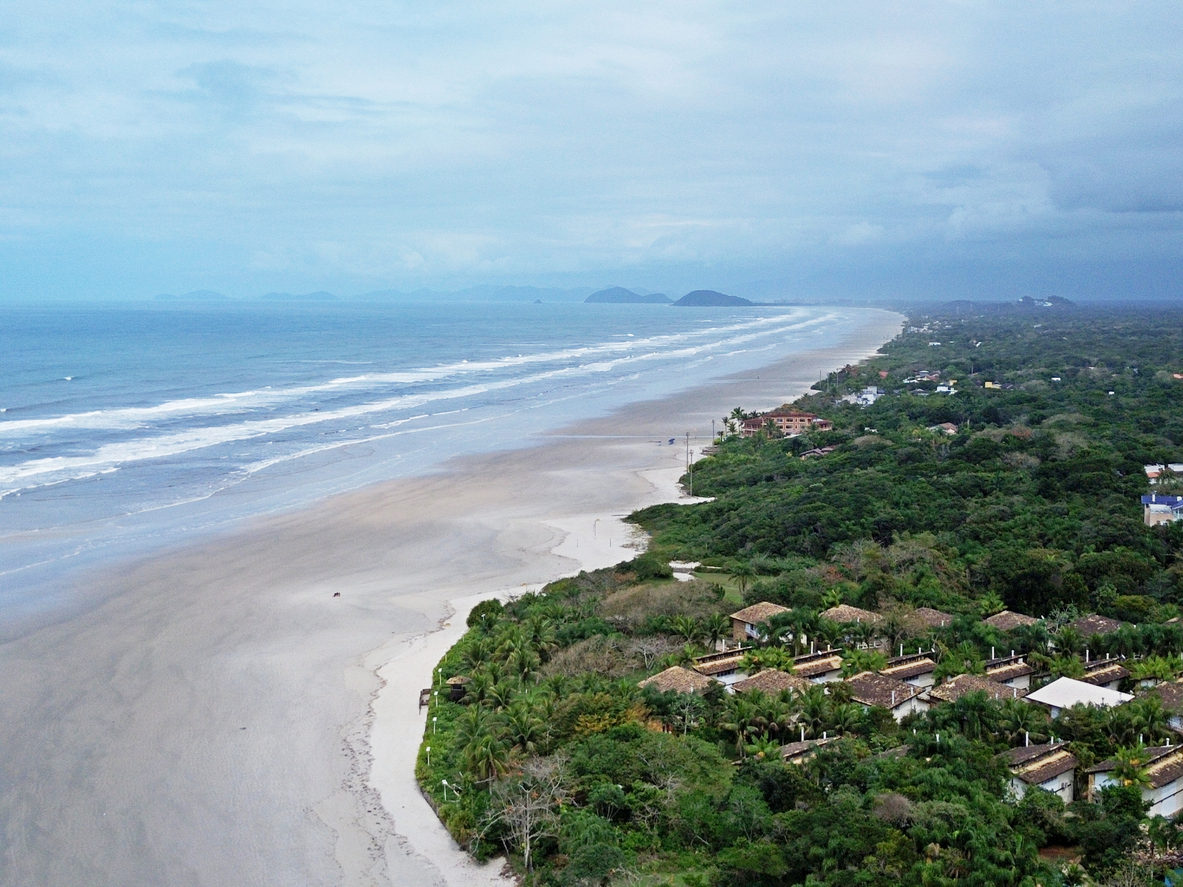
pixel 710 299
pixel 618 295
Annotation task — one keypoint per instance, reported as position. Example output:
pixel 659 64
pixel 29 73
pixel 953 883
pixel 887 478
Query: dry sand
pixel 223 719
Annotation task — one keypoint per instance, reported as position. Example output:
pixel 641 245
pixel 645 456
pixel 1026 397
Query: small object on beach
pixel 336 594
pixel 672 439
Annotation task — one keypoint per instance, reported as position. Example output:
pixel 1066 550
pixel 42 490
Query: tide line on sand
pixel 644 474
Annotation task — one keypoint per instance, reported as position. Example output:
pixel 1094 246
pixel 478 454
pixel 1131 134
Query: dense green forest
pixel 1022 493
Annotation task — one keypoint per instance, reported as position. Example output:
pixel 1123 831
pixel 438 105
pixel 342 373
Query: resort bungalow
pixel 789 423
pixel 723 667
pixel 1050 767
pixel 1064 693
pixel 1171 696
pixel 1108 673
pixel 877 691
pixel 929 618
pixel 1012 670
pixel 772 682
pixel 676 679
pixel 800 752
pixel 820 667
pixel 1164 779
pixel 915 669
pixel 954 688
pixel 1092 625
pixel 1008 620
pixel 845 613
pixel 745 625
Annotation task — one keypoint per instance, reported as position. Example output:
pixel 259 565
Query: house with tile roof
pixel 1164 775
pixel 723 667
pixel 1008 620
pixel 1105 673
pixel 873 690
pixel 845 613
pixel 1170 694
pixel 772 682
pixel 1092 625
pixel 820 667
pixel 802 751
pixel 929 618
pixel 677 679
pixel 1012 670
pixel 963 684
pixel 915 669
pixel 1050 767
pixel 745 624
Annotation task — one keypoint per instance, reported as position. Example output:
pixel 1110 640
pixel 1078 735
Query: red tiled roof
pixel 758 613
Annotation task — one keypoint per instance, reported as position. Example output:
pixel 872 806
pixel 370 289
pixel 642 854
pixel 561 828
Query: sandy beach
pixel 244 711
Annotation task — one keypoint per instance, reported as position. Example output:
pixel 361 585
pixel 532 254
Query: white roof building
pixel 1064 693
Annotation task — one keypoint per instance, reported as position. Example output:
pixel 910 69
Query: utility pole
pixel 689 464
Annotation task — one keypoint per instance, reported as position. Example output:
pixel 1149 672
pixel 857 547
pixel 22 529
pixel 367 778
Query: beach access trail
pixel 245 711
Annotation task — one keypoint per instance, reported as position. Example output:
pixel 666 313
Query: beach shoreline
pixel 244 710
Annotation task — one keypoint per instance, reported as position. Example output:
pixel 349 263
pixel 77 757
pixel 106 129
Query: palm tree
pixel 857 661
pixel 847 717
pixel 813 709
pixel 1130 766
pixel 716 627
pixel 976 715
pixel 486 757
pixel 1018 719
pixel 742 572
pixel 686 627
pixel 524 729
pixel 739 719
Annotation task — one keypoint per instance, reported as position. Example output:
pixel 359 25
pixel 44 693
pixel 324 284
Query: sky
pixel 878 150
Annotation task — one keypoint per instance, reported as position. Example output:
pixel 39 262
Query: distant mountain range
pixel 710 299
pixel 618 295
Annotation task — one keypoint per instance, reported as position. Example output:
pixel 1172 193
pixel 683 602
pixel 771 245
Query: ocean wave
pixel 266 397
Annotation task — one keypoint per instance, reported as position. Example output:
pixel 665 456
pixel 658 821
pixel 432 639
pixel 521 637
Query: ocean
pixel 127 429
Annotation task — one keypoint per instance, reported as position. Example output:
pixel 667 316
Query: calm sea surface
pixel 124 429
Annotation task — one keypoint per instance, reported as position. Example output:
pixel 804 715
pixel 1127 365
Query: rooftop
pixel 869 688
pixel 1008 620
pixel 1067 692
pixel 1171 695
pixel 904 667
pixel 758 613
pixel 1035 764
pixel 678 680
pixel 954 688
pixel 847 613
pixel 771 681
pixel 932 618
pixel 1164 764
pixel 1087 626
pixel 813 664
pixel 1105 671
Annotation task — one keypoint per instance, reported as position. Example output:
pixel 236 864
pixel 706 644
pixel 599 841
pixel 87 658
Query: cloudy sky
pixel 772 149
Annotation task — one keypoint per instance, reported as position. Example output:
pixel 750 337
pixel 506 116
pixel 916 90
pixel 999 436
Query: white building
pixel 1064 693
pixel 1164 772
pixel 1050 767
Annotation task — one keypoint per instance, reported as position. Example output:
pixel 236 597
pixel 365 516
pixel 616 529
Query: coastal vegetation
pixel 997 464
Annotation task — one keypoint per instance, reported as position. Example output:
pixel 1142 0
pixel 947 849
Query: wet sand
pixel 222 718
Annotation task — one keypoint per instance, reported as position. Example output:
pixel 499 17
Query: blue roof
pixel 1160 499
